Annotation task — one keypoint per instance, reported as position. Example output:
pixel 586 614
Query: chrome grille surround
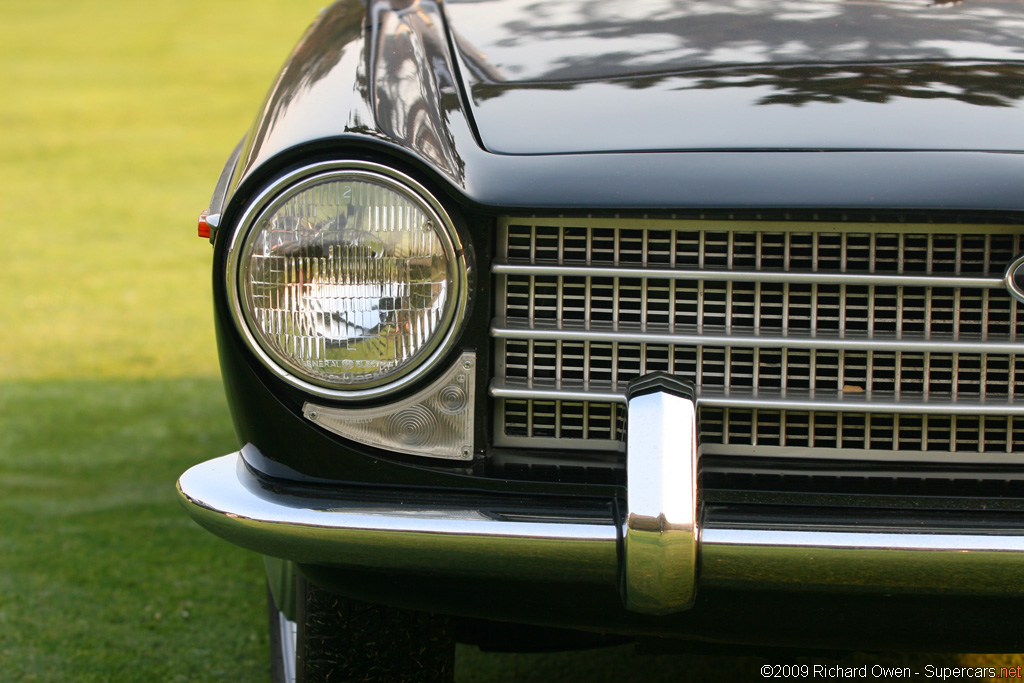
pixel 826 339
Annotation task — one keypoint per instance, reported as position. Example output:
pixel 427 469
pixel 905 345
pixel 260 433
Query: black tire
pixel 340 639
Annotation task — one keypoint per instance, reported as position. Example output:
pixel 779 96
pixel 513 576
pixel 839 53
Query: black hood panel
pixel 608 75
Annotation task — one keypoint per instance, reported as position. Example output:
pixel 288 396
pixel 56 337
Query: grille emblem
pixel 1015 278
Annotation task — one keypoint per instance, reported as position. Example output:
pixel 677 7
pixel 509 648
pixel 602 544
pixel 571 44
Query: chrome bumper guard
pixel 658 556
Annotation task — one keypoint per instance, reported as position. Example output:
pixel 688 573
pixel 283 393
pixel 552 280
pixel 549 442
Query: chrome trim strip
pixel 222 496
pixel 864 561
pixel 661 534
pixel 789 277
pixel 502 328
pixel 566 446
pixel 569 450
pixel 561 391
pixel 878 456
pixel 1008 472
pixel 288 637
pixel 716 397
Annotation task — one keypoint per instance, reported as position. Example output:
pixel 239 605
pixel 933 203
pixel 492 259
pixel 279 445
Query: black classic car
pixel 566 323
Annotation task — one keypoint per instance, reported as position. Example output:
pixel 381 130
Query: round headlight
pixel 348 279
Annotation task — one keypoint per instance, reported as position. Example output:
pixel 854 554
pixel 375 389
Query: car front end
pixel 563 332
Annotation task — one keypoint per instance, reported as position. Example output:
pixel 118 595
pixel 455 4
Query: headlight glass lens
pixel 348 280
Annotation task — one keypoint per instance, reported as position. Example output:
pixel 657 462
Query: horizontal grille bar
pixel 799 277
pixel 852 402
pixel 623 334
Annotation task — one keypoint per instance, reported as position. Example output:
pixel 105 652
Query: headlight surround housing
pixel 347 279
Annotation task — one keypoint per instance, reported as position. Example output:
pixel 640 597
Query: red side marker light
pixel 204 227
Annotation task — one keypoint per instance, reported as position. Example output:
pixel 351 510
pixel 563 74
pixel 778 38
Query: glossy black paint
pixel 593 75
pixel 341 88
pixel 522 41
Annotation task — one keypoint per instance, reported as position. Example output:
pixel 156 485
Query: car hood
pixel 611 75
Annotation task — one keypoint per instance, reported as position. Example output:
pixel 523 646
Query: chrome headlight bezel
pixel 288 186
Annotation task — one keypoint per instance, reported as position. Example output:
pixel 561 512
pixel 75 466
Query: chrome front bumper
pixel 665 546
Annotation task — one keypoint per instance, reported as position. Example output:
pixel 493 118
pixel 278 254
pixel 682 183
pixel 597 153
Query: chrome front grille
pixel 846 339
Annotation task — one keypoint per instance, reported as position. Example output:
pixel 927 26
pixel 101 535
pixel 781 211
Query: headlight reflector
pixel 347 278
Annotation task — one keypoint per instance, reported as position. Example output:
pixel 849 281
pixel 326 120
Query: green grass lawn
pixel 115 119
